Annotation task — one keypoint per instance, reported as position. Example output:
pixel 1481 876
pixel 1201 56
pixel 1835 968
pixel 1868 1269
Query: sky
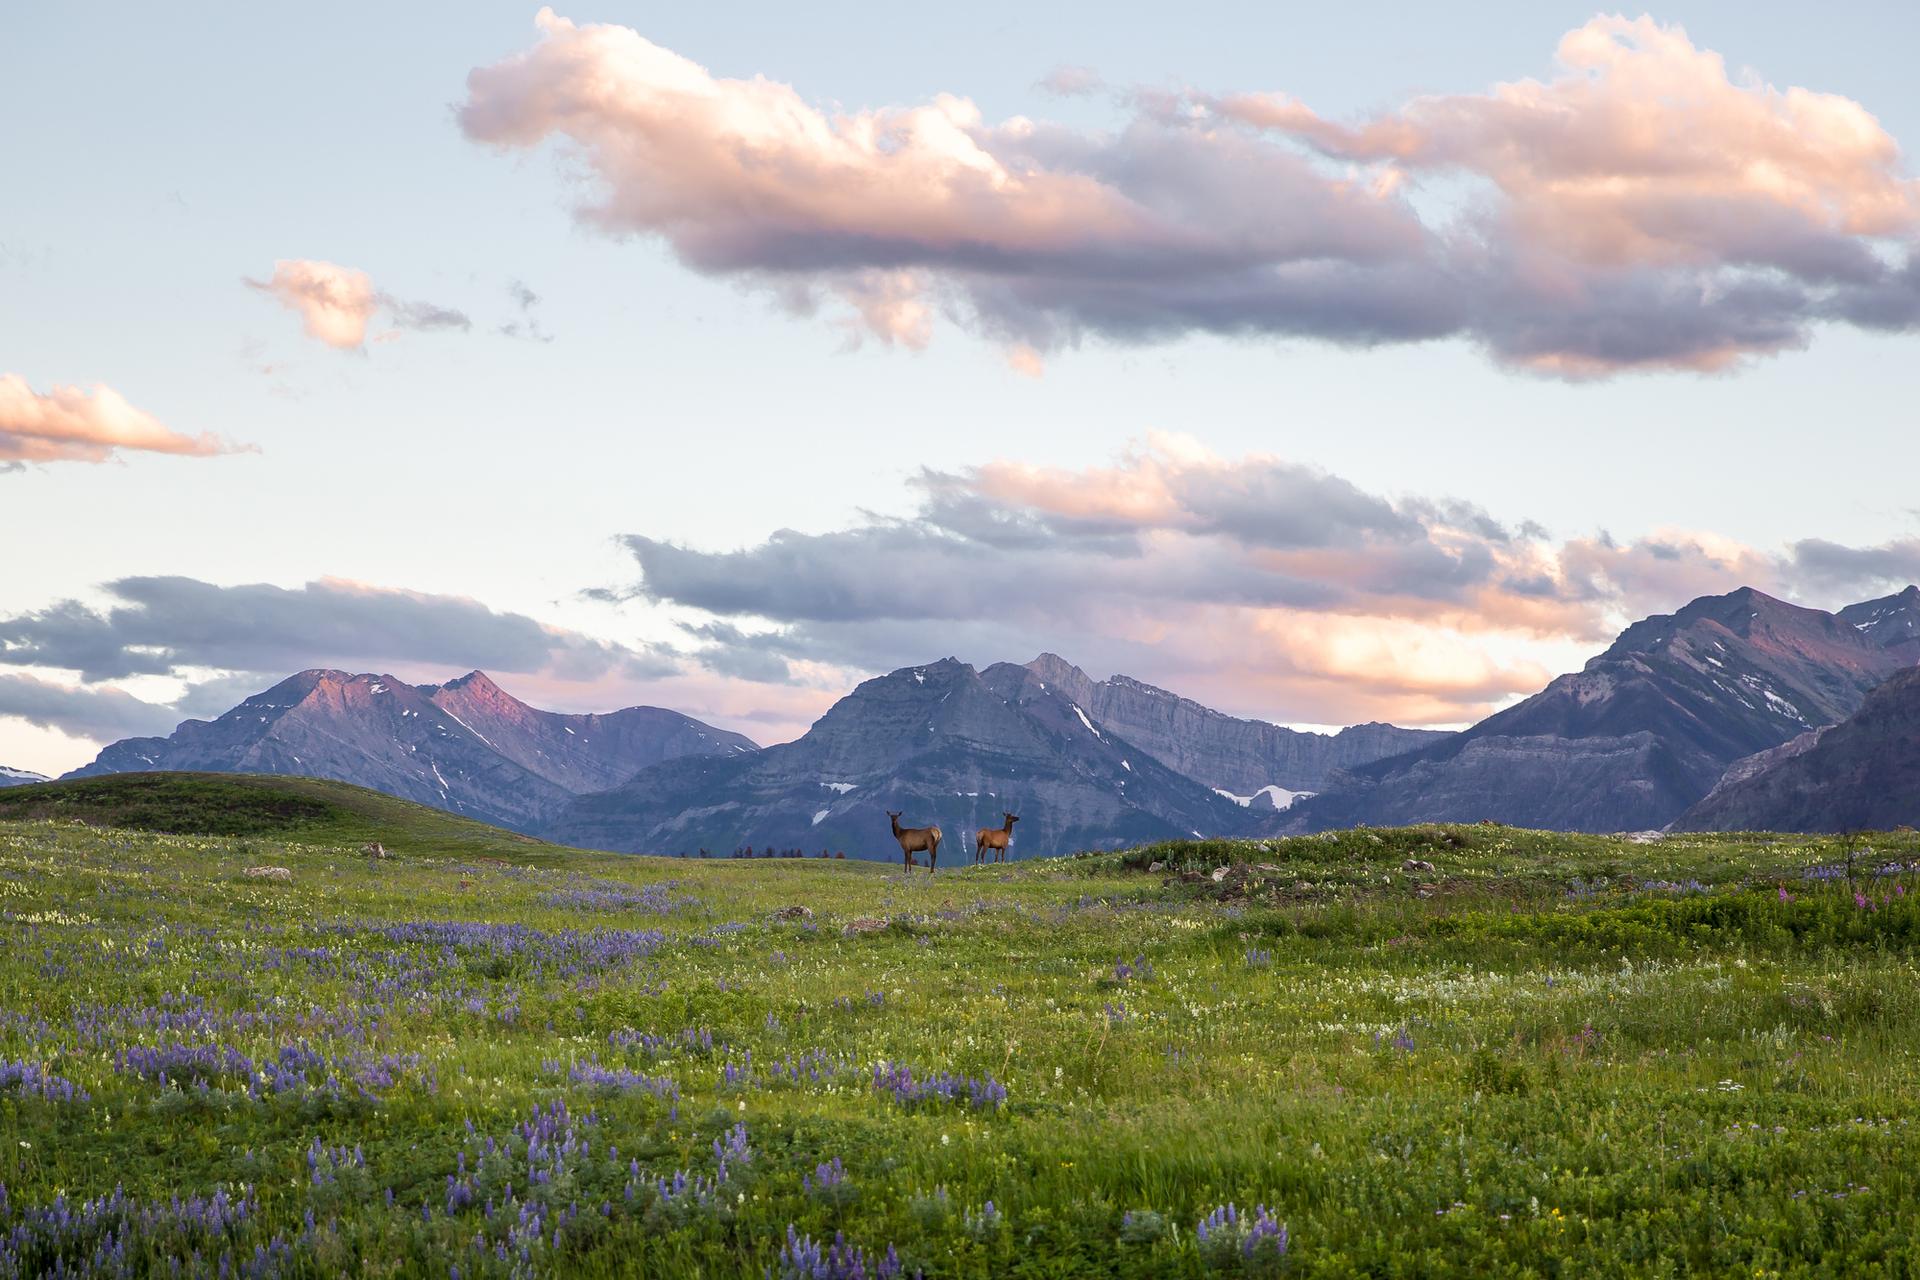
pixel 1324 363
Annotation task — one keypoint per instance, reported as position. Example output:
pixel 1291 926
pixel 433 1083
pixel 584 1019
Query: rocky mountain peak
pixel 1056 672
pixel 1892 622
pixel 475 683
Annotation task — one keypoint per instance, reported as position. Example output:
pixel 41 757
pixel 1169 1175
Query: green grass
pixel 1547 1056
pixel 310 810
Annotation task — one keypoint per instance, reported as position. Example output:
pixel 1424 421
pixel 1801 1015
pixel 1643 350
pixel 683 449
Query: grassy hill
pixel 1430 1051
pixel 308 810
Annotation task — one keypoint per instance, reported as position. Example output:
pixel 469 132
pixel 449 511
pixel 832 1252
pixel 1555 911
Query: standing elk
pixel 914 839
pixel 994 838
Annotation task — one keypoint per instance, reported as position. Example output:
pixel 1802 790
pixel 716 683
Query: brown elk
pixel 914 839
pixel 994 838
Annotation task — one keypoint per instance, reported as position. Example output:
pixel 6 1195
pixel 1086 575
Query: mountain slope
pixel 466 747
pixel 1892 622
pixel 19 777
pixel 579 753
pixel 1243 757
pixel 1639 734
pixel 1860 774
pixel 938 742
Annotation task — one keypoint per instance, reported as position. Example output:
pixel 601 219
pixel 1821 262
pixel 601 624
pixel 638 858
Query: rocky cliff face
pixel 466 746
pixel 938 742
pixel 1242 757
pixel 1640 734
pixel 1860 774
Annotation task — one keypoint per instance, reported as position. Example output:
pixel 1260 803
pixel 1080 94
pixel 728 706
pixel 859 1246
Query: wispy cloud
pixel 73 424
pixel 1641 209
pixel 336 304
pixel 526 324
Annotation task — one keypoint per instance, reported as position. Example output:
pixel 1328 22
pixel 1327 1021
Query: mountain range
pixel 466 746
pixel 1685 719
pixel 1249 760
pixel 944 744
pixel 19 777
pixel 1647 727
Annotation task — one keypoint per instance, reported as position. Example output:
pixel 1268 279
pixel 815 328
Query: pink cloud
pixel 72 424
pixel 1644 152
pixel 1643 208
pixel 335 303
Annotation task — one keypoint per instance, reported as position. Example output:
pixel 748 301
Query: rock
pixel 1645 837
pixel 268 873
pixel 1416 864
pixel 374 849
pixel 1158 866
pixel 1219 874
pixel 1267 867
pixel 864 924
pixel 794 913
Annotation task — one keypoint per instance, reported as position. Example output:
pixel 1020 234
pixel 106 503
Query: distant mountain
pixel 1638 735
pixel 1247 759
pixel 466 746
pixel 1892 622
pixel 19 777
pixel 1860 774
pixel 945 744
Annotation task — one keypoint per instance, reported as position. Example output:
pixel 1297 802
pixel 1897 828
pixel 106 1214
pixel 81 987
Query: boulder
pixel 1416 864
pixel 268 873
pixel 864 924
pixel 794 913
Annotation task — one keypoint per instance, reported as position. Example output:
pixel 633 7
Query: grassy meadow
pixel 1541 1056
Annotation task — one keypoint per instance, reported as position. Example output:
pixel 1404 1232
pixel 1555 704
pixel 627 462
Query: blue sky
pixel 154 164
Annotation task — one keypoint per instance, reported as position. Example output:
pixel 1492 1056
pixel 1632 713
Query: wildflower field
pixel 1539 1055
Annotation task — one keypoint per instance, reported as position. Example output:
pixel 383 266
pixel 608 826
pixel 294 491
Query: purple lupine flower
pixel 825 1177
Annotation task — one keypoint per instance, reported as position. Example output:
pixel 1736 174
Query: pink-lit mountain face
pixel 466 746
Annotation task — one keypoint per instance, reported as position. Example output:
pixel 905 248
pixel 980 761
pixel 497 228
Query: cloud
pixel 101 714
pixel 1890 565
pixel 1266 586
pixel 71 424
pixel 170 626
pixel 1071 82
pixel 336 303
pixel 528 325
pixel 1642 209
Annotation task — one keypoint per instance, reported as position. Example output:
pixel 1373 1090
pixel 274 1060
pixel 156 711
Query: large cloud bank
pixel 1642 208
pixel 1256 583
